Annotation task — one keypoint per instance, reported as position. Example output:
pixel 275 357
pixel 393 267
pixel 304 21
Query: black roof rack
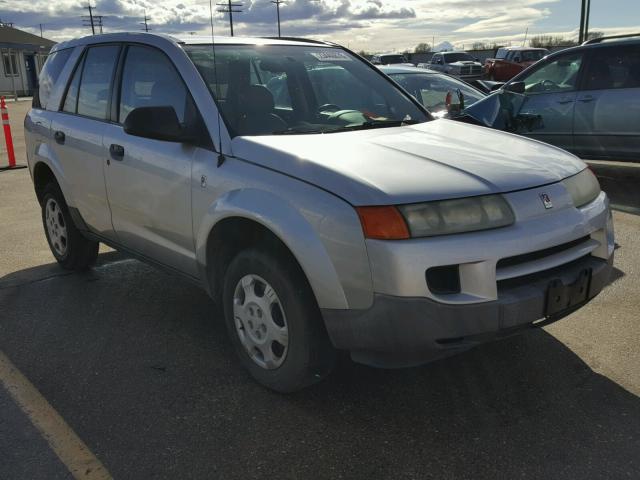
pixel 610 37
pixel 298 39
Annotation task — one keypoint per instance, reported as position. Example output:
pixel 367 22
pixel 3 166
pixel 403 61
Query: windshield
pixel 276 89
pixel 390 59
pixel 431 89
pixel 532 55
pixel 458 57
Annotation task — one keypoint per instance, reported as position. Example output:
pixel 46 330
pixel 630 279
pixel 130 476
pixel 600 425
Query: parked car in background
pixel 459 64
pixel 390 59
pixel 584 99
pixel 432 88
pixel 337 219
pixel 509 61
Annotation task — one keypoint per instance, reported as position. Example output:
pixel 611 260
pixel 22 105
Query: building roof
pixel 15 38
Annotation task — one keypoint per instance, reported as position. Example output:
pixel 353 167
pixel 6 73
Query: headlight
pixel 583 187
pixel 456 216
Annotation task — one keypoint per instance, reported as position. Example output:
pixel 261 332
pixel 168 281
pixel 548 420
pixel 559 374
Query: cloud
pixel 507 21
pixel 374 25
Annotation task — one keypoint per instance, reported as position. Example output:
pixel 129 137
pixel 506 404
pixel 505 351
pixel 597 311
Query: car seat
pixel 257 117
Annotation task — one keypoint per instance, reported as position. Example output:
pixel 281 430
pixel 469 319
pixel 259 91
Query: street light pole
pixel 583 36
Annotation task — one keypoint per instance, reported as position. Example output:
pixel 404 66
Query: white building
pixel 23 55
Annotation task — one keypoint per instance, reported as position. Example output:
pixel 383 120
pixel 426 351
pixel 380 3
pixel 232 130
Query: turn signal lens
pixel 383 223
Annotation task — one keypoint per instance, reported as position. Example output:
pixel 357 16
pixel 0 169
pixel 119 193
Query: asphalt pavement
pixel 138 364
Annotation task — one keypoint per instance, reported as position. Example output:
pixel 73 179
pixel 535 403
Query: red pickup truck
pixel 510 61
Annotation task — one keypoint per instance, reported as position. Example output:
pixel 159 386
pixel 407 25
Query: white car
pixel 321 215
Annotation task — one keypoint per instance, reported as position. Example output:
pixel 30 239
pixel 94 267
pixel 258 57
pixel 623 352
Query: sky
pixel 371 25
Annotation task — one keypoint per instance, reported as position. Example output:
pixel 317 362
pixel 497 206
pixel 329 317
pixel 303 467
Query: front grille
pixel 538 254
pixel 471 70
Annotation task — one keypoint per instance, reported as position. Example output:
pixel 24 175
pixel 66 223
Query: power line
pixel 230 8
pixel 146 19
pixel 277 4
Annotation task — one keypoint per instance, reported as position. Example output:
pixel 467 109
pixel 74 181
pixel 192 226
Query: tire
pixel 308 355
pixel 71 250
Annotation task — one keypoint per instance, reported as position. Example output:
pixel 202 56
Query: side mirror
pixel 516 59
pixel 515 87
pixel 159 123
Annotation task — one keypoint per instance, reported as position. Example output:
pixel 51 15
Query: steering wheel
pixel 549 84
pixel 328 107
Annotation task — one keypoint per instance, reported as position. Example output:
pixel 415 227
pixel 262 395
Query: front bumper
pixel 404 331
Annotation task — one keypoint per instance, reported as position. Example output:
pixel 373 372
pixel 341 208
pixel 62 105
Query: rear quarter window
pixel 49 76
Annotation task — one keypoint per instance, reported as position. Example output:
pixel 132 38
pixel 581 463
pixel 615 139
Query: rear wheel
pixel 274 322
pixel 69 247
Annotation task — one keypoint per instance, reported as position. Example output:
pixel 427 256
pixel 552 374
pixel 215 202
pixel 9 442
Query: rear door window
pixel 612 68
pixel 71 100
pixel 96 81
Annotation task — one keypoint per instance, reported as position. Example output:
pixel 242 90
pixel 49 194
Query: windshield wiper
pixel 373 124
pixel 353 126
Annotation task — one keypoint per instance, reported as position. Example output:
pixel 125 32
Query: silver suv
pixel 337 217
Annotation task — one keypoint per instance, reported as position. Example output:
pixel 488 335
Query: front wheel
pixel 69 247
pixel 274 322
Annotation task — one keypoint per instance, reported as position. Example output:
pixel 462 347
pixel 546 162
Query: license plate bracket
pixel 562 297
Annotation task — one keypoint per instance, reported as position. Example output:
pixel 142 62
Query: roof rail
pixel 610 37
pixel 298 39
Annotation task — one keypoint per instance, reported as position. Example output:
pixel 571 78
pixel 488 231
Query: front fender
pixel 290 226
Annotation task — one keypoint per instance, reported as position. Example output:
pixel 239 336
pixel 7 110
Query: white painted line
pixel 61 438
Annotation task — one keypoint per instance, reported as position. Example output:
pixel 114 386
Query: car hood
pixel 464 63
pixel 428 161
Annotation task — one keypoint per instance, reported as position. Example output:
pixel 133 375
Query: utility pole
pixel 89 21
pixel 230 8
pixel 146 19
pixel 41 36
pixel 277 4
pixel 98 19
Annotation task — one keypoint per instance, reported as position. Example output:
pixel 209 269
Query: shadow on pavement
pixel 138 363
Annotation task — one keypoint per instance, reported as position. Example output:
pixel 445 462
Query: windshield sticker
pixel 331 56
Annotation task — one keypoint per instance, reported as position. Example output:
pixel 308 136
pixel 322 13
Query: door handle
pixel 116 151
pixel 59 137
pixel 587 99
pixel 565 101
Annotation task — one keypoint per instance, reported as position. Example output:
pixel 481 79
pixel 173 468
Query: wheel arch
pixel 46 171
pixel 42 176
pixel 241 218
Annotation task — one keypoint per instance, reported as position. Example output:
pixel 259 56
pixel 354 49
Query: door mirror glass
pixel 159 123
